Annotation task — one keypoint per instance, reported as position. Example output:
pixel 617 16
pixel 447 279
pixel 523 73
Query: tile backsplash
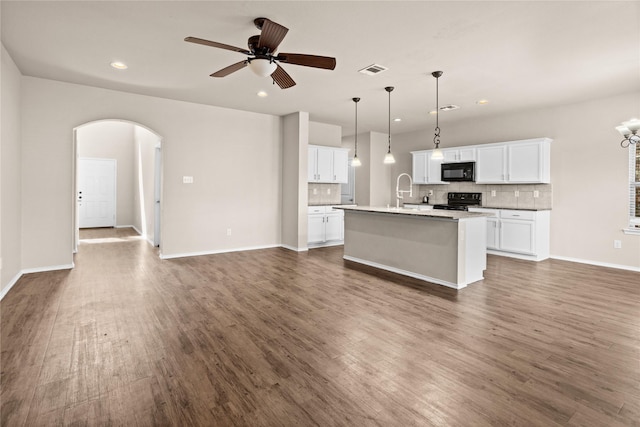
pixel 324 194
pixel 505 195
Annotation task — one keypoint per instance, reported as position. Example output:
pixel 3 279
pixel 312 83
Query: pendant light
pixel 388 158
pixel 356 160
pixel 437 153
pixel 629 130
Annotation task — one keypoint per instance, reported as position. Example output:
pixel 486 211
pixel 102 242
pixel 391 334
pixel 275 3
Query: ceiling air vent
pixel 373 69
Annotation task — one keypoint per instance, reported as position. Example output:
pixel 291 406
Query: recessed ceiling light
pixel 262 94
pixel 119 65
pixel 482 101
pixel 397 119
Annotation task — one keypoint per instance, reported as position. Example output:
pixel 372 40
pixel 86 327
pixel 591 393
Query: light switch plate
pixel 187 180
pixel 516 193
pixel 536 193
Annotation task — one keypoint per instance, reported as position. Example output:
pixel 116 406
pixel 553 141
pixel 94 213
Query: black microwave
pixel 458 171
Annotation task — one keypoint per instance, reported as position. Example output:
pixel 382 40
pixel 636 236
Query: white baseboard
pixel 407 273
pixel 10 285
pixel 292 248
pixel 599 264
pixel 221 251
pixel 33 270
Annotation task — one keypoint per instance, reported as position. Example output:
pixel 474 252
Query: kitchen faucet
pixel 399 193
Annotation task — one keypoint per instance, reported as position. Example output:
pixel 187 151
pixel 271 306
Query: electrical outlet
pixel 536 194
pixel 430 193
pixel 516 193
pixel 315 191
pixel 187 180
pixel 228 232
pixel 328 191
pixel 493 193
pixel 617 244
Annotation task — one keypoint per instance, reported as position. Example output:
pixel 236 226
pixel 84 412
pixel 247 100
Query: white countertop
pixel 432 213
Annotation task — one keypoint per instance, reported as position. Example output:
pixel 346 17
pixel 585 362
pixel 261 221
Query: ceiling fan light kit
pixel 262 67
pixel 262 58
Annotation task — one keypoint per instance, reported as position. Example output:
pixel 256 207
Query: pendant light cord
pixel 436 137
pixel 389 89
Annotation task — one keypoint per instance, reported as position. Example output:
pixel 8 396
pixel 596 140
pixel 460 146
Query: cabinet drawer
pixel 529 215
pixel 317 209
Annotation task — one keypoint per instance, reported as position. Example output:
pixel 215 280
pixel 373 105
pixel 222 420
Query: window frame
pixel 634 189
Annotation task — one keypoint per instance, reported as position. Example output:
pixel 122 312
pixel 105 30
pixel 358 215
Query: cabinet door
pixel 517 236
pixel 313 165
pixel 467 155
pixel 315 228
pixel 525 162
pixel 334 226
pixel 325 164
pixel 493 238
pixel 491 163
pixel 433 171
pixel 450 156
pixel 341 166
pixel 419 168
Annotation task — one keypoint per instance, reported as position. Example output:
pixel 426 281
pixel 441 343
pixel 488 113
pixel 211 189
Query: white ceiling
pixel 518 55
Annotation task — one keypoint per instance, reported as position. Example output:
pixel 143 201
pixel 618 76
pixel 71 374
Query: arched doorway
pixel 136 153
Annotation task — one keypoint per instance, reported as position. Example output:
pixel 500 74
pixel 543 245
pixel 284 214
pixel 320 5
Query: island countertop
pixel 431 213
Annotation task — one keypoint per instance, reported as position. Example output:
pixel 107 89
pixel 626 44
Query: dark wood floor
pixel 278 338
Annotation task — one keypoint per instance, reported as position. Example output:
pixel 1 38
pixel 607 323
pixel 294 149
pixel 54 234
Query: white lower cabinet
pixel 518 233
pixel 325 226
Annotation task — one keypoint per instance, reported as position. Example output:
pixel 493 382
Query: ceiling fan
pixel 262 57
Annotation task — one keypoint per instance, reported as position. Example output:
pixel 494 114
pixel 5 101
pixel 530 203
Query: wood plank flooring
pixel 277 338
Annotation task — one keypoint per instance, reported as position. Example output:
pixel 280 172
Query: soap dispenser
pixel 425 199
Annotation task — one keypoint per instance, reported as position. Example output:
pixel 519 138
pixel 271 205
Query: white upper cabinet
pixel 341 166
pixel 461 154
pixel 524 162
pixel 328 165
pixel 425 169
pixel 490 166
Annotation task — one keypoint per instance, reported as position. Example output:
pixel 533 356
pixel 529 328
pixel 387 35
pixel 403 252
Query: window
pixel 634 186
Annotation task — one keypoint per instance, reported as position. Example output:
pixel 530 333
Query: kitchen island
pixel 443 247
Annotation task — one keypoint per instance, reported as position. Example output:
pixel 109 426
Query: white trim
pixel 408 273
pixel 497 252
pixel 597 263
pixel 221 251
pixel 292 248
pixel 326 244
pixel 48 268
pixel 10 285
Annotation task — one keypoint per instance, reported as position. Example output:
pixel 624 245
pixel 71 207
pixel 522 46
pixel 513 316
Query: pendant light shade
pixel 437 153
pixel 388 158
pixel 356 160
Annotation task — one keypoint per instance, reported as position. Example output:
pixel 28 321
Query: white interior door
pixel 96 192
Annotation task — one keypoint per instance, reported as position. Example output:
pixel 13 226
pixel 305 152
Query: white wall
pixel 589 170
pixel 113 140
pixel 236 170
pixel 325 134
pixel 294 180
pixel 10 174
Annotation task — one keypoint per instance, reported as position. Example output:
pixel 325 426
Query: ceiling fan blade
pixel 282 79
pixel 271 35
pixel 216 44
pixel 315 61
pixel 230 69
